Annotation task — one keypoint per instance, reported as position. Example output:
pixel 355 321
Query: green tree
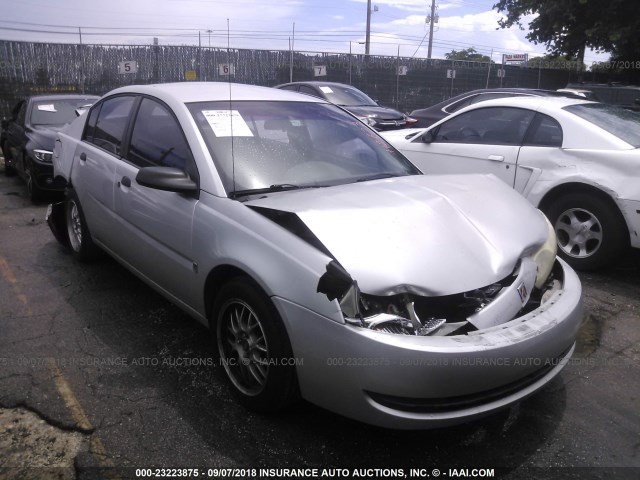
pixel 568 27
pixel 469 54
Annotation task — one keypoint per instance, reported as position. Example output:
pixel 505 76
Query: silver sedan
pixel 326 266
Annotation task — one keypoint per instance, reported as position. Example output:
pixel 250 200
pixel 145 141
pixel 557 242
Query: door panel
pixel 438 158
pixel 155 233
pixel 156 225
pixel 95 161
pixel 485 140
pixel 93 177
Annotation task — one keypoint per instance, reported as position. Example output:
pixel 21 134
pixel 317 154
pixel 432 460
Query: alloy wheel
pixel 579 233
pixel 74 226
pixel 243 346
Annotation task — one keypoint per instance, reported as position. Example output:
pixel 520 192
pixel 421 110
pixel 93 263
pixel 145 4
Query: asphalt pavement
pixel 100 377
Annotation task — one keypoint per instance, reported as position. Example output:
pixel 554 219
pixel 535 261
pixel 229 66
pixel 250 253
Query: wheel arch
pixel 217 277
pixel 575 187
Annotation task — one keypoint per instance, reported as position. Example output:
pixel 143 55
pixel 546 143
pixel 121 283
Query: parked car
pixel 354 101
pixel 325 264
pixel 576 160
pixel 28 136
pixel 430 115
pixel 627 96
pixel 581 92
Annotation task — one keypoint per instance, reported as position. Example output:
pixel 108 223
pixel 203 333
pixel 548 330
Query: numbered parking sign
pixel 128 66
pixel 320 71
pixel 226 69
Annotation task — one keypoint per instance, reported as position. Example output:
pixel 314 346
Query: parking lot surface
pixel 100 377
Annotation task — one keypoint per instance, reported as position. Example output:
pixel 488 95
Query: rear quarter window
pixel 618 121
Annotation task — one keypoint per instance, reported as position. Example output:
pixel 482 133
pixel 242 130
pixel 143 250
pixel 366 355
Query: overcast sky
pixel 320 25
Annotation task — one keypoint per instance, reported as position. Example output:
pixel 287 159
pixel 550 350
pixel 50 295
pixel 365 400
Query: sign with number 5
pixel 128 66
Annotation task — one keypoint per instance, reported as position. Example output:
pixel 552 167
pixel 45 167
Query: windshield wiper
pixel 279 187
pixel 378 176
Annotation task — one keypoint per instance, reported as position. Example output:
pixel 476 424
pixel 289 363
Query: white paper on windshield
pixel 222 122
pixel 326 89
pixel 47 108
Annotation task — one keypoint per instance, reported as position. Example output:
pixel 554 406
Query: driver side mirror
pixel 166 178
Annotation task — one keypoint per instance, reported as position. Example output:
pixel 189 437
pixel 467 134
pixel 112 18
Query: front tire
pixel 34 192
pixel 82 247
pixel 254 347
pixel 591 233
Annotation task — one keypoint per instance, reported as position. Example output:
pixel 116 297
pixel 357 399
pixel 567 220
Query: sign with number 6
pixel 226 69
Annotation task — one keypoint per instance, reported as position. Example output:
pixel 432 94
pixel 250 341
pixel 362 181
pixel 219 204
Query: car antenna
pixel 233 161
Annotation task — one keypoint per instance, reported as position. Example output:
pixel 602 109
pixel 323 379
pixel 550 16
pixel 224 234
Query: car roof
pixel 532 91
pixel 61 96
pixel 318 83
pixel 188 92
pixel 531 102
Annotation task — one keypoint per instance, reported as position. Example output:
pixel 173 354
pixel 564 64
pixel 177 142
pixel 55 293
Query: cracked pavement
pixel 98 378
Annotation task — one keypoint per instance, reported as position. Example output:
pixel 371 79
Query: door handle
pixel 126 181
pixel 496 158
pixel 83 156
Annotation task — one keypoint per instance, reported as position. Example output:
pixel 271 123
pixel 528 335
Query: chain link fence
pixel 399 82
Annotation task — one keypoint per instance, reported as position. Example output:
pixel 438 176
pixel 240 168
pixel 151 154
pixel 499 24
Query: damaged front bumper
pixel 424 381
pixel 57 221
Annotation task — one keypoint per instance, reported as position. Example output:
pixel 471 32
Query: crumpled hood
pixel 431 235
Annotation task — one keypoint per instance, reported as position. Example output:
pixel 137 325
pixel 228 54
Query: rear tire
pixel 80 242
pixel 254 347
pixel 591 233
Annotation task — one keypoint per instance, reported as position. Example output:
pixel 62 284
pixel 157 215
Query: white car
pixel 576 160
pixel 325 264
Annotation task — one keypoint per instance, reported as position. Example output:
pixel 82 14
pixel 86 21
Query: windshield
pixel 57 111
pixel 618 121
pixel 346 96
pixel 286 145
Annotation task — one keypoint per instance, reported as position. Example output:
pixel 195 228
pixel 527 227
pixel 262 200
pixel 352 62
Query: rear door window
pixel 110 123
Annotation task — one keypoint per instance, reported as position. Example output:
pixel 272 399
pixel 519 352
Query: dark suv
pixel 354 101
pixel 29 134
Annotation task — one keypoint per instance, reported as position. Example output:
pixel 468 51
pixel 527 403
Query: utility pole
pixel 368 39
pixel 431 22
pixel 81 62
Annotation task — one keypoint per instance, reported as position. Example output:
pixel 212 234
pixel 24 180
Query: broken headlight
pixel 545 256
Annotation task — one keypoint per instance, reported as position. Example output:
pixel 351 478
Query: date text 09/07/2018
pixel 313 472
